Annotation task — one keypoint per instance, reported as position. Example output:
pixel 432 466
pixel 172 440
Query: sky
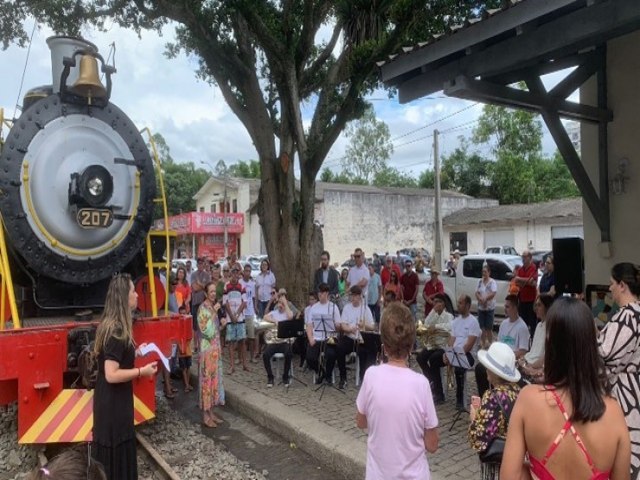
pixel 165 96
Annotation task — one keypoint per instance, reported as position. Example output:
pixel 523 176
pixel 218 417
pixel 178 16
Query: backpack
pixel 88 366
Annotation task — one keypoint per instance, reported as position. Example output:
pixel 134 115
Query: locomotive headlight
pixel 95 186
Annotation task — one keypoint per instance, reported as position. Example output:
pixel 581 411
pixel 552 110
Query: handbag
pixel 495 449
pixel 493 453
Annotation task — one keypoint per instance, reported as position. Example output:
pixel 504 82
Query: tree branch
pixel 270 45
pixel 309 74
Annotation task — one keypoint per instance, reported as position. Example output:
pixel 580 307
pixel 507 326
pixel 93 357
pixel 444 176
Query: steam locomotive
pixel 77 185
pixel 77 195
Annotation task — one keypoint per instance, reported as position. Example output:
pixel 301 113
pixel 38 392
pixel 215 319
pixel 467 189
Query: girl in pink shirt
pixel 395 405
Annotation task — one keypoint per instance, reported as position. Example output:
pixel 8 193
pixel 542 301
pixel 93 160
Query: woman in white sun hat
pixel 490 419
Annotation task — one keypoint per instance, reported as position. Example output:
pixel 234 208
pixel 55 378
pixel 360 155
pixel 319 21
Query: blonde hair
pixel 116 317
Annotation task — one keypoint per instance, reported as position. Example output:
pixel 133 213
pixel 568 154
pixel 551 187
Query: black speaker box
pixel 568 261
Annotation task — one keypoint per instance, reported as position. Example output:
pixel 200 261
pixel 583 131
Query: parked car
pixel 414 252
pixel 469 272
pixel 501 250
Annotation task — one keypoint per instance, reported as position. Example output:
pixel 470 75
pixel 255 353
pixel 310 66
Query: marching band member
pixel 322 318
pixel 280 313
pixel 356 316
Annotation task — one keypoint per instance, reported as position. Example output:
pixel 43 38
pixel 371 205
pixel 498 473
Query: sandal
pixel 188 389
pixel 246 368
pixel 209 423
pixel 170 396
pixel 230 372
pixel 217 420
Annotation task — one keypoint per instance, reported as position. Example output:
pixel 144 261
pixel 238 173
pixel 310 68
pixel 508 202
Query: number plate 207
pixel 94 217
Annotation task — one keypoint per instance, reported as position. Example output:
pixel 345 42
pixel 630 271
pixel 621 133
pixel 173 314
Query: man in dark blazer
pixel 326 274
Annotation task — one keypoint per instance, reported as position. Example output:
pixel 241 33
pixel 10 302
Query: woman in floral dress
pixel 491 419
pixel 210 320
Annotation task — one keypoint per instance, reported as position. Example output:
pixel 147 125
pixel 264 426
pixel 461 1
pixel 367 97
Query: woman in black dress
pixel 114 443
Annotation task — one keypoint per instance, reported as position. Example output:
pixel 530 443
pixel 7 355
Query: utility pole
pixel 437 251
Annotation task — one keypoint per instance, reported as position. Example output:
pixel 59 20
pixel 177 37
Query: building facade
pixel 524 227
pixel 372 218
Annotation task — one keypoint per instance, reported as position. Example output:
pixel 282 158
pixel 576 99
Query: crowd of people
pixel 557 398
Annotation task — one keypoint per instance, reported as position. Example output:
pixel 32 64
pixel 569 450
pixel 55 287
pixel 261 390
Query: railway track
pixel 161 469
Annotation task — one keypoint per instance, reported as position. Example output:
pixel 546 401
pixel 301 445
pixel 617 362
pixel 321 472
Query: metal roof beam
pixel 486 92
pixel 587 27
pixel 502 22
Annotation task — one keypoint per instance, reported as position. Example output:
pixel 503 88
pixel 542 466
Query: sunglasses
pixel 357 256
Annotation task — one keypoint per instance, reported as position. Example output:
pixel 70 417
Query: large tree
pixel 265 57
pixel 369 147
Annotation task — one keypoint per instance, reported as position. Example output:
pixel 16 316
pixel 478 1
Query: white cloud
pixel 192 115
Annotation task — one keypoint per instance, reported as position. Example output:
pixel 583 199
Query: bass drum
pixel 77 186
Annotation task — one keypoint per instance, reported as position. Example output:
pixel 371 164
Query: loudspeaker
pixel 568 261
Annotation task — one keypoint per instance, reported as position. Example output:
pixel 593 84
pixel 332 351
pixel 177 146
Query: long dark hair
pixel 571 358
pixel 628 273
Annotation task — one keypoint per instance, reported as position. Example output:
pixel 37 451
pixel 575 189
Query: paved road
pixel 260 448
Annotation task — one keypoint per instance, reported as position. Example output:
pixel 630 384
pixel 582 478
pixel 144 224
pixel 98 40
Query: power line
pixel 336 161
pixel 435 122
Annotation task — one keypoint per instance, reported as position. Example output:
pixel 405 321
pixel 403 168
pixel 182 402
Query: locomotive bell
pixel 88 83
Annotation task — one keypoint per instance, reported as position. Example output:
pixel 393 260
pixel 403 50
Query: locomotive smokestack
pixel 61 47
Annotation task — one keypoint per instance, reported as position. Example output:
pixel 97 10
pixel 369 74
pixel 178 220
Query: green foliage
pixel 242 169
pixel 520 173
pixel 466 172
pixel 369 147
pixel 392 177
pixel 181 180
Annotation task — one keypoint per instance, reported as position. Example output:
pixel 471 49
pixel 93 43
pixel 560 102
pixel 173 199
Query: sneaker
pixel 270 383
pixel 342 385
pixel 287 382
pixel 318 380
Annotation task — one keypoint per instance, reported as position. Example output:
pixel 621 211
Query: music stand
pixel 291 329
pixel 458 359
pixel 327 327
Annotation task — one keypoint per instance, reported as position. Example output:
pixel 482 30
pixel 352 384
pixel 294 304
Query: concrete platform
pixel 325 428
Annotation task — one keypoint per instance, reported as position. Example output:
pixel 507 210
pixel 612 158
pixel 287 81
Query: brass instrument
pixel 432 335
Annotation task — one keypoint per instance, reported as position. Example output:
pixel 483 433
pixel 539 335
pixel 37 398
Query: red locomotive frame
pixel 33 361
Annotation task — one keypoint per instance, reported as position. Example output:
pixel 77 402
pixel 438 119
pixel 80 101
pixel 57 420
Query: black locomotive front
pixel 77 185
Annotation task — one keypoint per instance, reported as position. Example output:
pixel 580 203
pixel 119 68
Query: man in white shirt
pixel 465 335
pixel 438 324
pixel 250 311
pixel 514 332
pixel 359 273
pixel 322 321
pixel 355 317
pixel 281 313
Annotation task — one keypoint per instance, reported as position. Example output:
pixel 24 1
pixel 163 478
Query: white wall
pixel 383 222
pixel 623 78
pixel 538 231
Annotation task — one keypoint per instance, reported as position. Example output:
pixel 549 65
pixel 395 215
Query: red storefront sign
pixel 212 246
pixel 203 223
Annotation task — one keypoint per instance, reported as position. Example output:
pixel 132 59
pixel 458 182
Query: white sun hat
pixel 500 360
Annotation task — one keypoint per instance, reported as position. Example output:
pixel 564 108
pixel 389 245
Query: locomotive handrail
pixel 163 200
pixel 7 283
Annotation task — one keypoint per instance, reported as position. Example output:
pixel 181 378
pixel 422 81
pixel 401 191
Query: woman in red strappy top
pixel 569 428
